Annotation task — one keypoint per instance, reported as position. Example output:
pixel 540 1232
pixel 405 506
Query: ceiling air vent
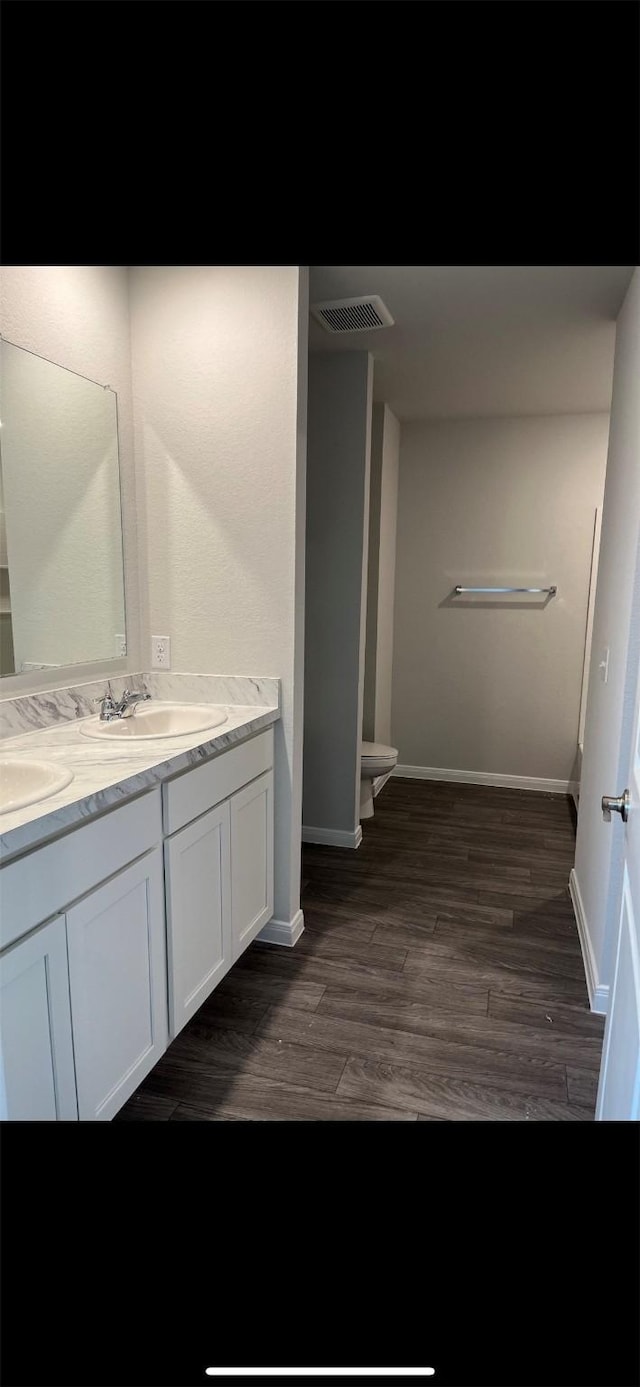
pixel 352 315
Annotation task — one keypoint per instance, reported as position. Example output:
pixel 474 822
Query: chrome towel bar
pixel 551 591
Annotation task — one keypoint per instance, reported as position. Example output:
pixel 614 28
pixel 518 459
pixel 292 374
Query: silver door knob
pixel 618 804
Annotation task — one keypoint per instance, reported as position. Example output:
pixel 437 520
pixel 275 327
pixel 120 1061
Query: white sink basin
pixel 152 720
pixel 25 781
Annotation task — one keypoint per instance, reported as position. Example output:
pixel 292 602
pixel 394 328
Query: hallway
pixel 439 977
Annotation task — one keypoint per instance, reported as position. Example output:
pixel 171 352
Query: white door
pixel 37 1078
pixel 619 1088
pixel 198 876
pixel 117 971
pixel 251 861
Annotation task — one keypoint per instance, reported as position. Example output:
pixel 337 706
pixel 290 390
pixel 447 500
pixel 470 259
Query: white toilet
pixel 376 765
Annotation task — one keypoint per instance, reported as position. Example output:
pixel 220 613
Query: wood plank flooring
pixel 439 978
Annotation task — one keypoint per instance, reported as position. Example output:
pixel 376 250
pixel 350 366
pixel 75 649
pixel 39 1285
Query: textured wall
pixel 219 374
pixel 609 706
pixel 62 498
pixel 383 512
pixel 494 687
pixel 339 449
pixel 78 316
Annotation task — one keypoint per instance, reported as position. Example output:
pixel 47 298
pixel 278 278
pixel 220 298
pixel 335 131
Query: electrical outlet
pixel 160 652
pixel 120 647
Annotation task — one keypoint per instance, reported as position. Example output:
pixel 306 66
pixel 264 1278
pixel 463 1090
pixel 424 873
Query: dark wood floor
pixel 439 978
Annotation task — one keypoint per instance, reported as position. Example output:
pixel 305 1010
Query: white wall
pixel 609 710
pixel 383 512
pixel 493 685
pixel 63 523
pixel 78 316
pixel 219 375
pixel 338 468
pixel 593 581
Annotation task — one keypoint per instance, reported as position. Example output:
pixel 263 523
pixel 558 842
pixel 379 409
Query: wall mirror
pixel 61 563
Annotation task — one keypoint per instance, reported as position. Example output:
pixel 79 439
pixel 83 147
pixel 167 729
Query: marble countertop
pixel 105 774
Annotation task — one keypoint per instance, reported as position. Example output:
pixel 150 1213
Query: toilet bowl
pixel 376 765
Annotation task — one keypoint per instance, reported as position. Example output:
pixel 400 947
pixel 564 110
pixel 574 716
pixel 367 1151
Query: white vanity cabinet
pixel 37 1078
pixel 251 861
pixel 218 869
pixel 115 933
pixel 83 1001
pixel 198 879
pixel 118 986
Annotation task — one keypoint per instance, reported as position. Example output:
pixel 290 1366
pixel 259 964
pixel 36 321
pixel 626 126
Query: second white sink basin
pixel 25 781
pixel 156 720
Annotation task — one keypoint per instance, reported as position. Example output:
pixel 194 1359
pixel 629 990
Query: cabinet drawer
pixel 196 791
pixel 46 880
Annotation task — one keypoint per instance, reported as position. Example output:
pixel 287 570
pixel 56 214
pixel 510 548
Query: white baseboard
pixel 285 932
pixel 508 782
pixel 333 837
pixel 598 992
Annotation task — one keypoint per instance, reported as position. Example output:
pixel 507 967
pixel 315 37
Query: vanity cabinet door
pixel 37 1078
pixel 198 872
pixel 117 971
pixel 251 861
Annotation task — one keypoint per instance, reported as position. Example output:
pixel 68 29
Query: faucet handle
pixel 107 706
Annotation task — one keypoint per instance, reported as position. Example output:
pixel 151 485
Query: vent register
pixel 361 314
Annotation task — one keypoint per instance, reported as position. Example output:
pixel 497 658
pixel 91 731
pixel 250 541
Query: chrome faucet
pixel 128 703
